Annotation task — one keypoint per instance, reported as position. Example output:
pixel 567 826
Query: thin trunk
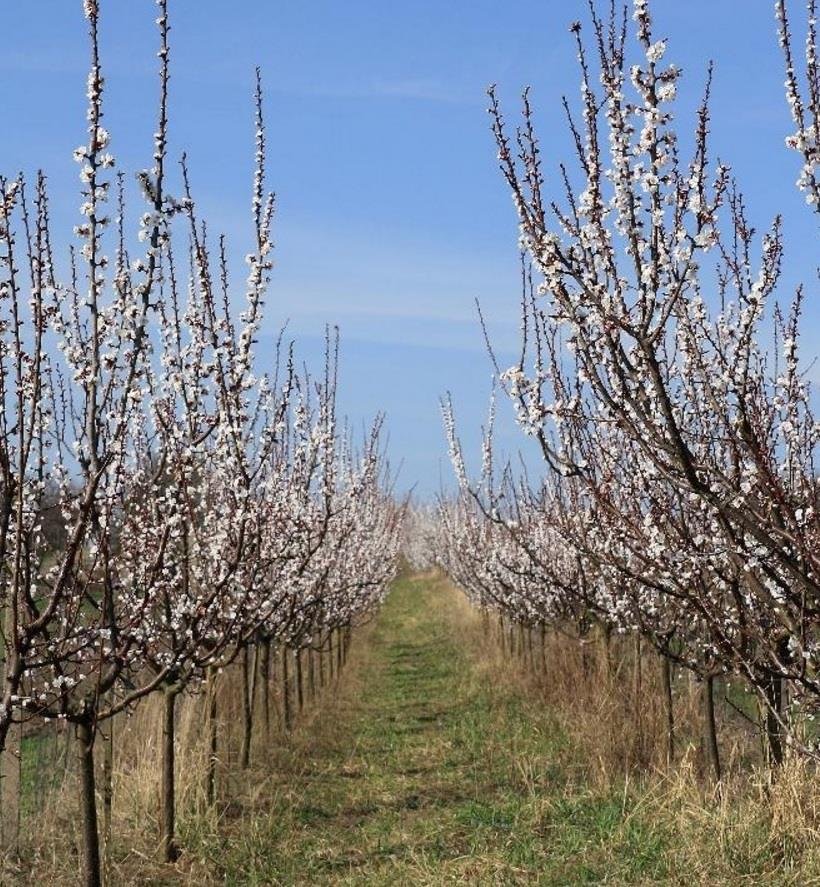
pixel 286 712
pixel 638 696
pixel 777 697
pixel 544 647
pixel 529 647
pixel 710 742
pixel 108 797
pixel 167 846
pixel 248 688
pixel 339 662
pixel 311 674
pixel 331 665
pixel 92 876
pixel 212 737
pixel 774 728
pixel 4 755
pixel 322 665
pixel 255 669
pixel 266 688
pixel 300 690
pixel 666 684
pixel 503 632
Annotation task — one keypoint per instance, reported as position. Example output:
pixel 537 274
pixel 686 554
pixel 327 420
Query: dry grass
pixel 49 839
pixel 619 721
pixel 438 760
pixel 752 829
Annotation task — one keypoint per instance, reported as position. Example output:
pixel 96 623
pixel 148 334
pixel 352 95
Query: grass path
pixel 425 772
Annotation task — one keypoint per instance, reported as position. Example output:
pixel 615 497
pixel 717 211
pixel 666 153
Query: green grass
pixel 430 774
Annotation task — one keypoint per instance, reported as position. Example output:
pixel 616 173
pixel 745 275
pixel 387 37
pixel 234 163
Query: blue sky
pixel 392 216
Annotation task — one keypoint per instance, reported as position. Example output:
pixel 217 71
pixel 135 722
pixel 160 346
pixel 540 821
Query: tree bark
pixel 331 665
pixel 168 847
pixel 669 711
pixel 311 674
pixel 774 729
pixel 710 742
pixel 266 688
pixel 92 876
pixel 607 636
pixel 300 690
pixel 348 636
pixel 248 688
pixel 210 787
pixel 322 665
pixel 108 797
pixel 286 710
pixel 544 647
pixel 638 696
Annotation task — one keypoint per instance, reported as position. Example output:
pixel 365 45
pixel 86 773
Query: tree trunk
pixel 322 665
pixel 210 788
pixel 638 696
pixel 331 665
pixel 266 688
pixel 311 674
pixel 300 691
pixel 108 797
pixel 92 876
pixel 339 662
pixel 710 742
pixel 544 647
pixel 168 847
pixel 247 707
pixel 774 728
pixel 607 636
pixel 286 712
pixel 669 711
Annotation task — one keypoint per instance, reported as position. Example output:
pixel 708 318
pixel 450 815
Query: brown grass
pixel 439 759
pixel 756 827
pixel 49 837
